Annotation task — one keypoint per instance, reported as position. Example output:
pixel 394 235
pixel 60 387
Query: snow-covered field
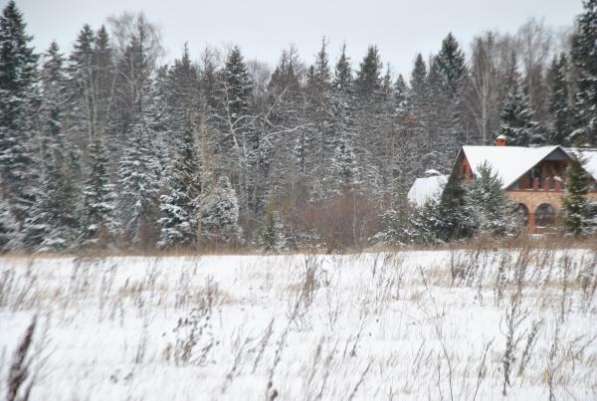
pixel 434 325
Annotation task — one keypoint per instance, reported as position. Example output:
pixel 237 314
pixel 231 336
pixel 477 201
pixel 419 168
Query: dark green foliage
pixel 178 203
pixel 559 102
pixel 18 106
pixel 579 216
pixel 456 222
pixel 584 57
pixel 486 203
pixel 368 82
pixel 517 119
pixel 98 225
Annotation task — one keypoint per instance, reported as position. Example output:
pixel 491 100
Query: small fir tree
pixel 219 214
pixel 579 215
pixel 487 204
pixel 98 225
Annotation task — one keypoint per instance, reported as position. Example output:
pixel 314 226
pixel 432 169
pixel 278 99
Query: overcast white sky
pixel 262 28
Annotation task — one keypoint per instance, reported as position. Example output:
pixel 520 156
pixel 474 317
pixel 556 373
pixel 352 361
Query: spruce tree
pixel 419 92
pixel 18 77
pixel 219 214
pixel 343 72
pixel 81 89
pixel 584 57
pixel 401 95
pixel 455 222
pixel 178 216
pixel 517 119
pixel 451 66
pixel 138 186
pixel 486 203
pixel 237 140
pixel 98 224
pixel 561 122
pixel 51 223
pixel 104 77
pixel 368 81
pixel 578 217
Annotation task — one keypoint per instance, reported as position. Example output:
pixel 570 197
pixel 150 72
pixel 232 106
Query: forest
pixel 103 146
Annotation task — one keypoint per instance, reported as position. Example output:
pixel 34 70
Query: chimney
pixel 501 140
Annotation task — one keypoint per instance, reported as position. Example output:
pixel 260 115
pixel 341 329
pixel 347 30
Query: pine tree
pixel 451 67
pixel 368 81
pixel 455 222
pixel 517 122
pixel 237 140
pixel 18 77
pixel 319 138
pixel 584 57
pixel 487 204
pixel 138 186
pixel 579 218
pixel 401 95
pixel 81 89
pixel 178 216
pixel 219 214
pixel 559 101
pixel 343 72
pixel 419 92
pixel 51 223
pixel 446 83
pixel 180 89
pixel 98 224
pixel 104 77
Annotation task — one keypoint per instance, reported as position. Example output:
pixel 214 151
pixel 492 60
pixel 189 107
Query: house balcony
pixel 540 184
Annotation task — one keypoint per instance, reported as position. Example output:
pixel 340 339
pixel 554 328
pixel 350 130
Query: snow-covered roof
pixel 508 162
pixel 426 188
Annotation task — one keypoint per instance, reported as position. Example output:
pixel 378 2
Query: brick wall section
pixel 533 199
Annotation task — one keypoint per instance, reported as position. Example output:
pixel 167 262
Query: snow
pixel 426 188
pixel 508 162
pixel 397 323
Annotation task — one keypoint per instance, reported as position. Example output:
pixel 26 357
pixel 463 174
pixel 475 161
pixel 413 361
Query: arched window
pixel 545 215
pixel 523 213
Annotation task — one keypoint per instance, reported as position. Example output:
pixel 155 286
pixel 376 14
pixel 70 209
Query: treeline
pixel 105 147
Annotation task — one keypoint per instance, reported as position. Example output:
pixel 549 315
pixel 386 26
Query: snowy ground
pixel 407 326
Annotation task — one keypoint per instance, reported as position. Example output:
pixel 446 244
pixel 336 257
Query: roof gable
pixel 508 162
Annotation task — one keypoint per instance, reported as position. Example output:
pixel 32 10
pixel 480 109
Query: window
pixel 523 213
pixel 545 215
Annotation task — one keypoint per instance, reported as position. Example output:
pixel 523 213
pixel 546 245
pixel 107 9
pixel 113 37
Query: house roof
pixel 426 188
pixel 508 162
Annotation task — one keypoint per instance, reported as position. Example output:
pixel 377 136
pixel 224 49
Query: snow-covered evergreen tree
pixel 52 221
pixel 138 186
pixel 559 102
pixel 178 210
pixel 98 223
pixel 18 98
pixel 455 219
pixel 579 216
pixel 219 214
pixel 486 202
pixel 517 119
pixel 584 57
